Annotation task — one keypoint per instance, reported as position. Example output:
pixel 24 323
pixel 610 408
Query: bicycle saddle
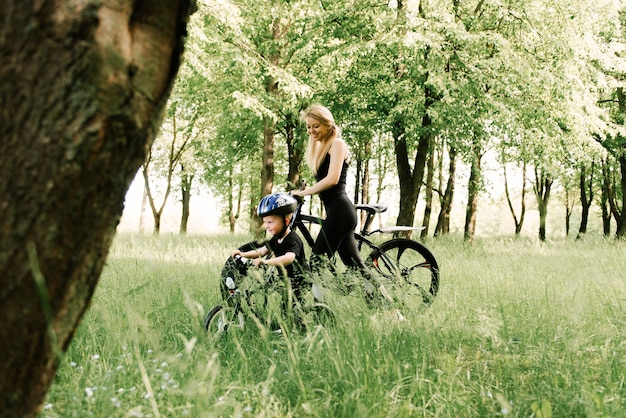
pixel 372 208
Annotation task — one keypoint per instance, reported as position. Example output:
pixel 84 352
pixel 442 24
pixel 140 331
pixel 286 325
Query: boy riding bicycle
pixel 285 249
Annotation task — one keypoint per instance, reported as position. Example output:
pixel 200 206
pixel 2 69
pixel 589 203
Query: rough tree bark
pixel 82 91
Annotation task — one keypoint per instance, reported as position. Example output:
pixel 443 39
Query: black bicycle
pixel 264 296
pixel 405 270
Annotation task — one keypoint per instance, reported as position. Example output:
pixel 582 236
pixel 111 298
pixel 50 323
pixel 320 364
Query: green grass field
pixel 518 329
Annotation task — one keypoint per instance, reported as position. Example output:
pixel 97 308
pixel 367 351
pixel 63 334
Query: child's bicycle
pixel 404 267
pixel 263 296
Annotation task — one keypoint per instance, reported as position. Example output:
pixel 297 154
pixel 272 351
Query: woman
pixel 327 157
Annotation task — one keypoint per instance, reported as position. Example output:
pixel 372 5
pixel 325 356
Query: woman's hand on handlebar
pixel 297 194
pixel 258 262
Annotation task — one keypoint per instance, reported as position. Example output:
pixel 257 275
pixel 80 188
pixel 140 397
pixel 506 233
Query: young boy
pixel 285 246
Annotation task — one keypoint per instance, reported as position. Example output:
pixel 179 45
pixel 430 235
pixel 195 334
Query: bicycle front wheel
pixel 410 265
pixel 221 319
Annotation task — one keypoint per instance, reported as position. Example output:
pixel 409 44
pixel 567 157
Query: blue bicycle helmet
pixel 277 204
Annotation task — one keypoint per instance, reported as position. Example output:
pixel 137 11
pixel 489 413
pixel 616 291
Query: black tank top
pixel 338 189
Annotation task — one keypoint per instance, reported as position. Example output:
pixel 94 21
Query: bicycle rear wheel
pixel 410 265
pixel 222 318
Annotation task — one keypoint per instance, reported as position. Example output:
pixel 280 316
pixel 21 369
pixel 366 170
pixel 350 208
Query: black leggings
pixel 337 233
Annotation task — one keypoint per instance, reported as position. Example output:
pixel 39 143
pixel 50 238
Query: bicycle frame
pixel 299 220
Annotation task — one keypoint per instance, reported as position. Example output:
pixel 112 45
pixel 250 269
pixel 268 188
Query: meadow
pixel 518 329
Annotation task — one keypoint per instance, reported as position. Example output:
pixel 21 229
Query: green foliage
pixel 518 328
pixel 534 79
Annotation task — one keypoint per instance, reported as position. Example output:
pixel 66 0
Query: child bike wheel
pixel 221 319
pixel 410 265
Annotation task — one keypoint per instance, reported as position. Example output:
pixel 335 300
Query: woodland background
pixel 439 101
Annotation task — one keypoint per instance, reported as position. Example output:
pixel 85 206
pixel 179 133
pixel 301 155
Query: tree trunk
pixel 473 189
pixel 620 233
pixel 604 199
pixel 267 174
pixel 365 176
pixel 411 179
pixel 586 198
pixel 295 149
pixel 428 195
pixel 156 213
pixel 568 211
pixel 542 187
pixel 233 214
pixel 267 168
pixel 83 87
pixel 443 220
pixel 185 188
pixel 518 222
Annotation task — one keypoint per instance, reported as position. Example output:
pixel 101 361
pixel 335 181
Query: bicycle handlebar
pixel 243 260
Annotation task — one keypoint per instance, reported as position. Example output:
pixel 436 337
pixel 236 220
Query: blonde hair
pixel 317 150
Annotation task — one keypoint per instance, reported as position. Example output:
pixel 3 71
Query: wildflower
pixel 89 392
pixel 95 357
pixel 73 364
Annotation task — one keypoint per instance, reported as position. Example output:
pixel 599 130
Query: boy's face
pixel 273 224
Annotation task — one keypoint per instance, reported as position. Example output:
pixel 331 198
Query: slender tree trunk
pixel 473 188
pixel 359 175
pixel 428 195
pixel 518 222
pixel 185 188
pixel 568 211
pixel 542 187
pixel 267 166
pixel 156 212
pixel 365 176
pixel 83 87
pixel 233 214
pixel 611 191
pixel 232 219
pixel 620 233
pixel 620 212
pixel 142 214
pixel 586 198
pixel 267 175
pixel 443 220
pixel 605 197
pixel 295 149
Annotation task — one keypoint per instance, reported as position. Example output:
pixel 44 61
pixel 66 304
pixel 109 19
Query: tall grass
pixel 518 329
